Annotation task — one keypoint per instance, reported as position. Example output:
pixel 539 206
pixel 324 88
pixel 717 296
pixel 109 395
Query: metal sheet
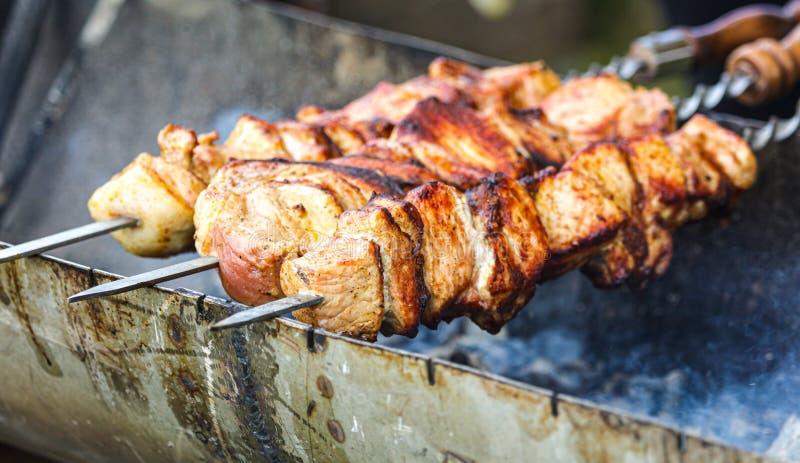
pixel 140 377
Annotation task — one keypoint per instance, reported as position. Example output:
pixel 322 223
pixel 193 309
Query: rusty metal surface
pixel 140 377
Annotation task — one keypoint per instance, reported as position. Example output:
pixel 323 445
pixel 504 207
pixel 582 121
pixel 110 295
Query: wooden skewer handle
pixel 712 42
pixel 773 66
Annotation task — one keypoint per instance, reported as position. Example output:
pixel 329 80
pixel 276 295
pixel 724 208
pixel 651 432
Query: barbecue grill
pixel 700 366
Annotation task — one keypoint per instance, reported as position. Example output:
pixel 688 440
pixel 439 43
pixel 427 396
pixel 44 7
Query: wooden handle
pixel 712 42
pixel 774 67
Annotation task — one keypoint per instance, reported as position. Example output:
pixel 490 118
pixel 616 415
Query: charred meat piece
pixel 255 214
pixel 448 259
pixel 253 138
pixel 578 218
pixel 519 86
pixel 407 174
pixel 510 249
pixel 663 188
pixel 607 166
pixel 353 306
pixel 542 143
pixel 723 148
pixel 606 107
pixel 458 144
pixel 375 114
pixel 397 264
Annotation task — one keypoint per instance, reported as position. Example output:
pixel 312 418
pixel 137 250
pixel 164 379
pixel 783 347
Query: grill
pixel 700 366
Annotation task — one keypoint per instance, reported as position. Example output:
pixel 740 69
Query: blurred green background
pixel 567 34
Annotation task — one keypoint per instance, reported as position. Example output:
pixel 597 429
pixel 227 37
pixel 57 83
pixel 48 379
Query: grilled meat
pixel 165 195
pixel 255 213
pixel 610 209
pixel 486 213
pixel 458 144
pixel 605 107
pixel 458 124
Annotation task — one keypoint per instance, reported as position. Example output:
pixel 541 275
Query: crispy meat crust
pixel 727 151
pixel 607 166
pixel 446 246
pixel 605 107
pixel 253 138
pixel 458 144
pixel 578 218
pixel 511 249
pixel 519 86
pixel 663 186
pixel 406 174
pixel 398 264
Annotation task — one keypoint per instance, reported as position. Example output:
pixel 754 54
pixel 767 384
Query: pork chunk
pixel 161 195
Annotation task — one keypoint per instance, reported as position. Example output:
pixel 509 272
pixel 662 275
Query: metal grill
pixel 710 349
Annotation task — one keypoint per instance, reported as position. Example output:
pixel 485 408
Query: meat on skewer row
pixel 501 97
pixel 439 253
pixel 459 142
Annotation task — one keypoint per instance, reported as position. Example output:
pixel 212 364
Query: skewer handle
pixel 684 47
pixel 772 66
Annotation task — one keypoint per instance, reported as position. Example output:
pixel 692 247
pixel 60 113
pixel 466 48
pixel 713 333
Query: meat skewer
pixel 499 102
pixel 505 94
pixel 610 207
pixel 575 177
pixel 470 262
pixel 460 143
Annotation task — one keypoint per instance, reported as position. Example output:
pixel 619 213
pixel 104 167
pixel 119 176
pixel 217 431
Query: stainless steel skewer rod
pixel 268 311
pixel 709 97
pixel 142 280
pixel 66 237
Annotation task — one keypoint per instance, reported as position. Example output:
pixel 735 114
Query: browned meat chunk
pixel 578 218
pixel 458 144
pixel 408 174
pixel 519 86
pixel 605 107
pixel 607 166
pixel 353 306
pixel 255 214
pixel 446 247
pixel 510 252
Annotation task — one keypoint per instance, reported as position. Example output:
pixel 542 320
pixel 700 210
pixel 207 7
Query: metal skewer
pixel 66 237
pixel 707 97
pixel 147 279
pixel 268 311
